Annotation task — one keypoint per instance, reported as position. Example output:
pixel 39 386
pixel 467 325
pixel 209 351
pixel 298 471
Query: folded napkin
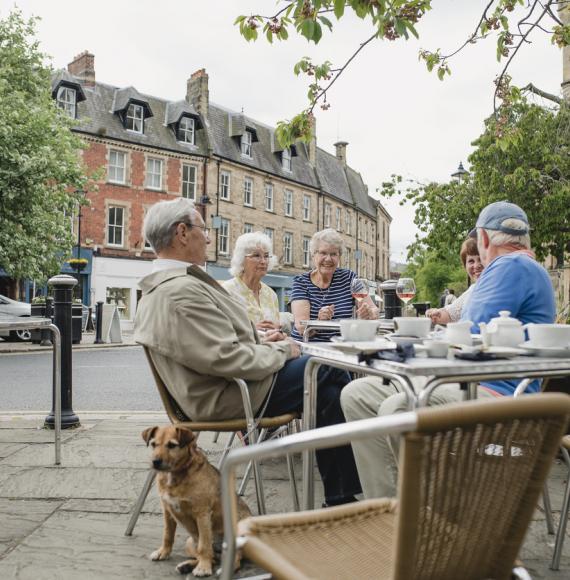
pixel 403 351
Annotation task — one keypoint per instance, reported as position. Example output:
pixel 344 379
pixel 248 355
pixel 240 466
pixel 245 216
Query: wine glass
pixel 405 291
pixel 359 291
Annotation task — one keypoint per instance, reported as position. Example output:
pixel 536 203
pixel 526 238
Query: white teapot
pixel 502 331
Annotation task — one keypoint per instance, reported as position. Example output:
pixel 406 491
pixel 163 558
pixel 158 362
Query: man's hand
pixel 326 312
pixel 295 348
pixel 267 325
pixel 274 336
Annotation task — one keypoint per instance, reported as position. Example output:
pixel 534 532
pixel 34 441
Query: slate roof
pixel 62 77
pixel 97 115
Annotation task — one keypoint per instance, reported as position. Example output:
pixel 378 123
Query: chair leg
pixel 293 483
pixel 254 437
pixel 140 502
pixel 247 472
pixel 555 565
pixel 548 510
pixel 226 449
pixel 216 435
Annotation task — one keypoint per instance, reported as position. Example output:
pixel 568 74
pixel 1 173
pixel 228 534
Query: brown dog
pixel 189 490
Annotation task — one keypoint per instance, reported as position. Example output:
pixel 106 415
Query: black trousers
pixel 336 465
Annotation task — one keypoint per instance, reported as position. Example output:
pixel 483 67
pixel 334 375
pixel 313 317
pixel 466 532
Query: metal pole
pixel 98 323
pixel 46 334
pixel 63 295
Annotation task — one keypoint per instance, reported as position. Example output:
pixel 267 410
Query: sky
pixel 396 117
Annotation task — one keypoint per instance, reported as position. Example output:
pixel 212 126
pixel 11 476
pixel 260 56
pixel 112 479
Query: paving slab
pixel 7 449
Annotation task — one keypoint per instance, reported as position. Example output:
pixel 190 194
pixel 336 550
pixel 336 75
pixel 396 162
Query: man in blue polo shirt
pixel 512 280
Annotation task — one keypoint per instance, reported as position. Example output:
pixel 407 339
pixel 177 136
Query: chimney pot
pixel 197 92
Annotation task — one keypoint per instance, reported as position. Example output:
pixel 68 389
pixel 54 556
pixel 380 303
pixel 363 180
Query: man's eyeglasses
pixel 259 256
pixel 191 225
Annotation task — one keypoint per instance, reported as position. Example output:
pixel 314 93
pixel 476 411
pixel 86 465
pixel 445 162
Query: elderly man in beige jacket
pixel 199 337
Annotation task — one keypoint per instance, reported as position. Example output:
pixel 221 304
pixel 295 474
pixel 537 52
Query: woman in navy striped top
pixel 324 292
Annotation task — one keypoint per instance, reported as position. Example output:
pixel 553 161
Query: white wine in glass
pixel 405 290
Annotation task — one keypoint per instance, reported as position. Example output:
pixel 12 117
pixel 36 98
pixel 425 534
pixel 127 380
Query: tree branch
pixel 532 89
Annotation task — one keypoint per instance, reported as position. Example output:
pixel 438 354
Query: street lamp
pixel 461 173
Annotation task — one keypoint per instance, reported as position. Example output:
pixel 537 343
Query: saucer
pixel 356 346
pixel 398 338
pixel 546 351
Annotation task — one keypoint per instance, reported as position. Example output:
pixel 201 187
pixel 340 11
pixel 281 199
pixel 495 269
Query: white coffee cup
pixel 409 326
pixel 436 348
pixel 358 330
pixel 459 332
pixel 549 335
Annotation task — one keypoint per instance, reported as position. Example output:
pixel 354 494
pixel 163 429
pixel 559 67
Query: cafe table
pixel 385 325
pixel 434 371
pixel 33 323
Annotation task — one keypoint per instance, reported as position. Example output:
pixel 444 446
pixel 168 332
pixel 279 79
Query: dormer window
pixel 134 119
pixel 286 159
pixel 67 100
pixel 186 130
pixel 246 140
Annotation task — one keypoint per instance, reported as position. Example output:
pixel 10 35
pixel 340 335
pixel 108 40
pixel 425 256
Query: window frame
pixel 188 182
pixel 286 159
pixel 117 152
pixel 270 233
pixel 224 237
pixel 338 219
pixel 185 131
pixel 306 251
pixel 134 118
pixel 247 180
pixel 327 215
pixel 68 106
pixel 248 228
pixel 348 222
pixel 268 197
pixel 288 248
pixel 224 173
pixel 148 173
pixel 288 202
pixel 306 207
pixel 115 227
pixel 246 143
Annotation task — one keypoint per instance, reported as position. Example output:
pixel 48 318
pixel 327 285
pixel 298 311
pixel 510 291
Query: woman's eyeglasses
pixel 259 256
pixel 331 255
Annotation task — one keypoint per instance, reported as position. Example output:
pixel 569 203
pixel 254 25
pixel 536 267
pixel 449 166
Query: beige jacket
pixel 199 337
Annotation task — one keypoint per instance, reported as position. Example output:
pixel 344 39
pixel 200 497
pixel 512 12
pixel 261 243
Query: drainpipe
pixel 219 163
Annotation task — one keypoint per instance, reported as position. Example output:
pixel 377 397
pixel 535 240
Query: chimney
pixel 197 93
pixel 564 14
pixel 83 68
pixel 341 151
pixel 313 142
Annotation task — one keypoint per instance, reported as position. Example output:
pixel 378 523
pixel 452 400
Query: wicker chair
pixel 561 533
pixel 255 428
pixel 470 477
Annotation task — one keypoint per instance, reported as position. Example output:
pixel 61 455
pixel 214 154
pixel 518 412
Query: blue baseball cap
pixel 495 214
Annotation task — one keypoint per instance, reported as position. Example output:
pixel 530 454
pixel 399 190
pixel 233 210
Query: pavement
pixel 68 521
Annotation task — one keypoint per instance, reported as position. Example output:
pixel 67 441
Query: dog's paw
pixel 160 554
pixel 203 569
pixel 187 566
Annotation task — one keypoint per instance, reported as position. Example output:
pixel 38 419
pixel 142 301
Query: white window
pixel 269 233
pixel 269 197
pixel 348 222
pixel 225 180
pixel 67 100
pixel 246 144
pixel 366 232
pixel 247 228
pixel 327 215
pixel 288 248
pixel 306 208
pixel 288 202
pixel 224 236
pixel 248 191
pixel 135 118
pixel 115 225
pixel 338 219
pixel 154 173
pixel 306 252
pixel 286 159
pixel 186 130
pixel 189 181
pixel 117 166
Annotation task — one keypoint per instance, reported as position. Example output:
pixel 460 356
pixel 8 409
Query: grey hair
pixel 326 236
pixel 160 219
pixel 247 243
pixel 498 238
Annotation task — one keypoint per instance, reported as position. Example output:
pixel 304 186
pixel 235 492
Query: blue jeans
pixel 336 466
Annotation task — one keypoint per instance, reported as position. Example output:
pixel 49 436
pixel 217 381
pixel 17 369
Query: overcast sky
pixel 396 117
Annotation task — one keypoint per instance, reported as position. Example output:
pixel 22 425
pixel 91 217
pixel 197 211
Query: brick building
pixel 149 149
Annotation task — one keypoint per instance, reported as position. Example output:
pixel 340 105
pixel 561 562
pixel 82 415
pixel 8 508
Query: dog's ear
pixel 148 434
pixel 185 436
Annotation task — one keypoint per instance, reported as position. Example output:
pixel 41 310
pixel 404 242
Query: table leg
pixel 309 422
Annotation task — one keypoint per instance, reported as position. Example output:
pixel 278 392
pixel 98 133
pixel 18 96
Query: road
pixel 114 379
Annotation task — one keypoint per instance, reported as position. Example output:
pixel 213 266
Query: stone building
pixel 149 149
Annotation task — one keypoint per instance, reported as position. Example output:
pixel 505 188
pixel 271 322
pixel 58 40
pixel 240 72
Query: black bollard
pixel 62 299
pixel 45 333
pixel 98 323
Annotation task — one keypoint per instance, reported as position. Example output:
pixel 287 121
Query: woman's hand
pixel 366 311
pixel 326 312
pixel 274 336
pixel 267 325
pixel 438 315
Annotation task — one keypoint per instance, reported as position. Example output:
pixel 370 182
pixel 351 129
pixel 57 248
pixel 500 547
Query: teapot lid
pixel 504 319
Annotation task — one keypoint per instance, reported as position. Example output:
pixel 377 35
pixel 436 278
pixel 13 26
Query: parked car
pixel 9 307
